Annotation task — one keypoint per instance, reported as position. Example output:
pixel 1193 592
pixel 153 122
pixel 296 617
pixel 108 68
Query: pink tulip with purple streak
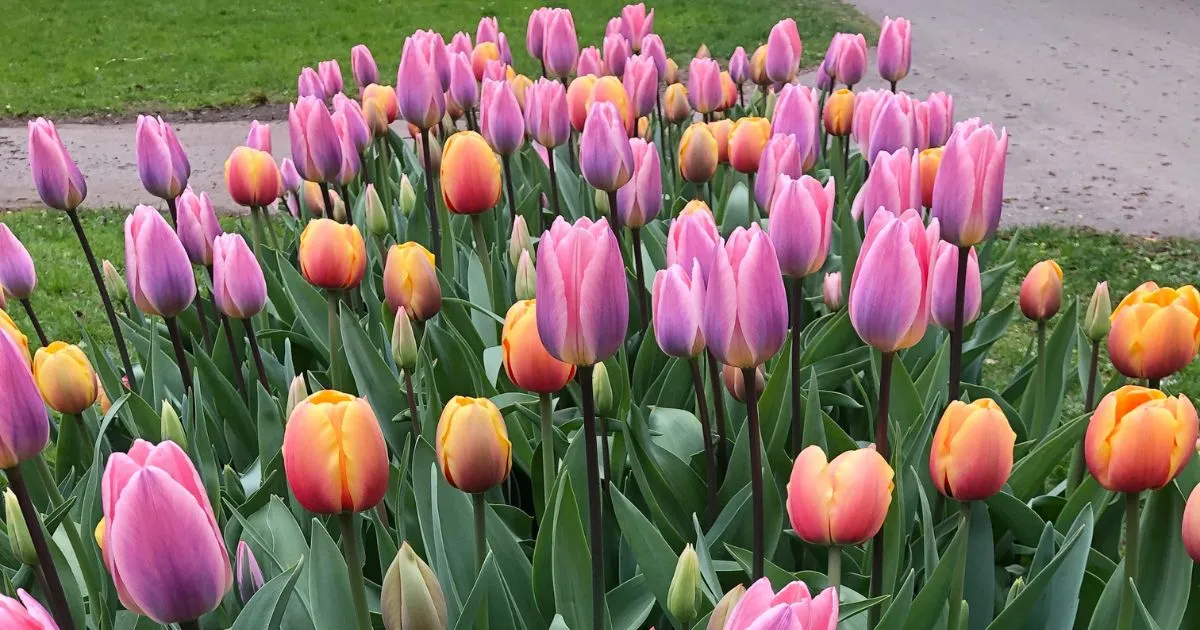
pixel 745 306
pixel 640 200
pixel 239 288
pixel 892 283
pixel 500 119
pixel 783 51
pixel 18 278
pixel 363 66
pixel 798 114
pixel 310 84
pixel 259 136
pixel 161 161
pixel 945 288
pixel 893 185
pixel 792 608
pixel 801 224
pixel 616 52
pixel 560 48
pixel 331 76
pixel 57 178
pixel 969 190
pixel 780 157
pixel 895 49
pixel 316 147
pixel 893 126
pixel 157 269
pixel 198 226
pixel 605 159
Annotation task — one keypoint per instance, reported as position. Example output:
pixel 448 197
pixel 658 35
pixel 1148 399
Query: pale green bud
pixel 170 428
pixel 519 241
pixel 770 104
pixel 602 208
pixel 114 282
pixel 339 207
pixel 408 196
pixel 526 284
pixel 404 342
pixel 602 390
pixel 18 531
pixel 411 598
pixel 1096 322
pixel 297 392
pixel 685 587
pixel 716 621
pixel 1017 587
pixel 377 218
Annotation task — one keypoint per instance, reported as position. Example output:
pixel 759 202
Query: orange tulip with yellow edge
pixel 385 97
pixel 839 112
pixel 519 84
pixel 1139 439
pixel 1155 331
pixel 9 328
pixel 332 255
pixel 1041 291
pixel 728 91
pixel 675 103
pixel 526 361
pixel 483 53
pixel 471 179
pixel 930 162
pixel 473 449
pixel 698 153
pixel 720 130
pixel 747 139
pixel 65 377
pixel 579 96
pixel 410 281
pixel 839 502
pixel 334 455
pixel 972 452
pixel 758 67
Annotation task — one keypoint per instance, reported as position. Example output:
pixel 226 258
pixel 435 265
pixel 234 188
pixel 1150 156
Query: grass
pixel 74 57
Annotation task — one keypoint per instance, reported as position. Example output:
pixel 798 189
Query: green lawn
pixel 83 56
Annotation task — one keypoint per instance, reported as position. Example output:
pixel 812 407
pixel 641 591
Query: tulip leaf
pixel 980 586
pixel 265 611
pixel 898 606
pixel 652 553
pixel 515 569
pixel 1030 473
pixel 488 592
pixel 327 583
pixel 1042 404
pixel 374 378
pixel 927 606
pixel 814 418
pixel 571 559
pixel 311 309
pixel 630 604
pixel 1057 583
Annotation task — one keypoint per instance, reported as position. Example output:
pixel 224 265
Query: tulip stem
pixel 714 377
pixel 189 625
pixel 640 274
pixel 180 353
pixel 174 214
pixel 435 230
pixel 54 588
pixel 37 325
pixel 266 218
pixel 108 307
pixel 1075 474
pixel 710 458
pixel 479 503
pixel 960 570
pixel 614 216
pixel 845 145
pixel 553 186
pixel 1153 383
pixel 797 325
pixel 481 250
pixel 881 443
pixel 260 238
pixel 893 83
pixel 595 520
pixel 546 411
pixel 1132 503
pixel 956 333
pixel 335 338
pixel 354 569
pixel 412 405
pixel 233 348
pixel 506 160
pixel 201 317
pixel 753 199
pixel 749 375
pixel 835 568
pixel 87 558
pixel 258 362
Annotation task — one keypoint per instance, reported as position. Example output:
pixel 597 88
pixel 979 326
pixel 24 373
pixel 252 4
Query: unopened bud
pixel 411 596
pixel 297 392
pixel 519 241
pixel 526 286
pixel 404 342
pixel 249 575
pixel 602 390
pixel 408 196
pixel 377 218
pixel 1017 586
pixel 18 531
pixel 169 427
pixel 602 205
pixel 114 282
pixel 1096 322
pixel 831 291
pixel 716 621
pixel 685 587
pixel 339 207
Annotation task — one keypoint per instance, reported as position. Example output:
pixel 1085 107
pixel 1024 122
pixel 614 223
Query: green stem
pixel 358 585
pixel 189 625
pixel 835 568
pixel 956 333
pixel 84 554
pixel 54 589
pixel 1125 620
pixel 756 473
pixel 180 353
pixel 412 404
pixel 1078 463
pixel 479 502
pixel 546 407
pixel 481 250
pixel 104 297
pixel 335 338
pixel 256 221
pixel 960 570
pixel 266 217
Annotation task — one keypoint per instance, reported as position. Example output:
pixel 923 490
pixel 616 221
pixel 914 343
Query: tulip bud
pixel 745 303
pixel 330 427
pixel 407 197
pixel 526 280
pixel 57 178
pixel 18 531
pixel 943 300
pixel 600 199
pixel 605 158
pixel 65 377
pixel 249 576
pixel 671 75
pixel 410 281
pixel 1042 291
pixel 377 218
pixel 930 161
pixel 1139 439
pixel 735 382
pixel 520 240
pixel 876 277
pixel 162 164
pixel 831 291
pixel 473 449
pixel 411 598
pixel 801 226
pixel 1018 586
pixel 17 275
pixel 332 255
pixel 239 287
pixel 170 428
pixel 716 621
pixel 698 153
pixel 895 49
pixel 114 282
pixel 972 452
pixel 839 112
pixel 675 103
pixel 470 174
pixel 157 267
pixel 747 139
pixel 1097 322
pixel 1151 330
pixel 297 392
pixel 9 330
pixel 685 587
pixel 839 502
pixel 602 391
pixel 404 342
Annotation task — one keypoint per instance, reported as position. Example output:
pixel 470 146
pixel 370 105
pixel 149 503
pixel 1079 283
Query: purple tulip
pixel 605 158
pixel 636 23
pixel 616 53
pixel 157 268
pixel 831 291
pixel 894 185
pixel 652 47
pixel 291 177
pixel 25 613
pixel 851 62
pixel 780 157
pixel 316 149
pixel 58 180
pixel 547 118
pixel 464 90
pixel 162 544
pixel 560 51
pixel 895 49
pixel 535 32
pixel 24 422
pixel 792 608
pixel 494 69
pixel 945 286
pixel 331 76
pixel 823 82
pixel 310 84
pixel 677 303
pixel 865 104
pixel 783 51
pixel 362 65
pixel 935 118
pixel 161 162
pixel 739 66
pixel 591 63
pixel 892 282
pixel 422 99
pixel 505 50
pixel 259 136
pixel 692 236
pixel 745 305
pixel 239 288
pixel 460 43
pixel 641 84
pixel 356 124
pixel 488 30
pixel 969 189
pixel 433 51
pixel 248 575
pixel 18 278
pixel 351 160
pixel 640 200
pixel 894 125
pixel 583 302
pixel 500 118
pixel 198 226
pixel 798 114
pixel 801 224
pixel 704 85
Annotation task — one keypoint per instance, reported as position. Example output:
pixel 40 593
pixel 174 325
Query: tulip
pixel 851 61
pixel 252 178
pixel 65 378
pixel 938 112
pixel 470 174
pixel 405 348
pixel 801 225
pixel 525 283
pixel 535 32
pixel 24 424
pixel 355 125
pixel 761 608
pixel 704 85
pixel 316 148
pixel 385 98
pixel 893 126
pixel 747 139
pixel 410 281
pixel 520 84
pixel 473 449
pixel 797 114
pixel 692 237
pixel 435 147
pixel 332 255
pixel 735 382
pixel 892 282
pixel 19 538
pixel 162 164
pixel 351 160
pixel 249 576
pixel 895 49
pixel 259 136
pixel 780 157
pixel 684 590
pixel 157 518
pixel 411 596
pixel 831 291
pixel 1097 320
pixel 605 158
pixel 560 52
pixel 170 427
pixel 422 102
pixel 839 502
pixel 671 76
pixel 583 302
pixel 745 307
pixel 484 52
pixel 739 66
pixel 783 51
pixel 500 119
pixel 930 162
pixel 17 275
pixel 239 288
pixel 676 106
pixel 290 176
pixel 839 113
pixel 331 76
pixel 640 200
pixel 698 153
pixel 362 65
pixel 720 131
pixel 635 23
pixel 1041 291
pixel 310 84
pixel 1155 331
pixel 528 365
pixel 460 42
pixel 58 180
pixel 677 302
pixel 547 113
pixel 1139 439
pixel 519 240
pixel 24 613
pixel 641 84
pixel 969 190
pixel 894 185
pixel 611 90
pixel 758 67
pixel 334 456
pixel 653 48
pixel 616 53
pixel 865 104
pixel 1191 525
pixel 157 268
pixel 945 287
pixel 972 453
pixel 114 283
pixel 488 30
pixel 716 621
pixel 579 98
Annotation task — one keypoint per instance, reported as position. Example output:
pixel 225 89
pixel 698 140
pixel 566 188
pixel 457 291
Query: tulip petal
pixel 884 306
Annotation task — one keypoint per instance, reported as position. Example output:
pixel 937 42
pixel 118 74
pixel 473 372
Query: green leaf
pixel 571 560
pixel 488 592
pixel 1030 473
pixel 630 604
pixel 265 610
pixel 375 380
pixel 927 606
pixel 980 586
pixel 899 605
pixel 311 309
pixel 1018 517
pixel 814 422
pixel 1057 583
pixel 651 551
pixel 1043 402
pixel 328 584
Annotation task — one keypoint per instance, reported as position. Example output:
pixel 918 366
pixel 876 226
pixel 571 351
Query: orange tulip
pixel 728 91
pixel 1139 439
pixel 735 381
pixel 1191 525
pixel 332 255
pixel 526 361
pixel 758 66
pixel 579 96
pixel 747 139
pixel 410 281
pixel 471 180
pixel 9 328
pixel 609 89
pixel 473 449
pixel 972 452
pixel 675 103
pixel 839 112
pixel 519 84
pixel 1155 331
pixel 839 502
pixel 385 97
pixel 930 162
pixel 252 177
pixel 720 130
pixel 698 153
pixel 483 53
pixel 1041 291
pixel 65 378
pixel 334 455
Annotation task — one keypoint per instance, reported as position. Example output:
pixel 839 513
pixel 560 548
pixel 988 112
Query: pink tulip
pixel 259 136
pixel 422 100
pixel 560 50
pixel 892 282
pixel 239 288
pixel 792 608
pixel 636 23
pixel 495 70
pixel 692 237
pixel 783 51
pixel 605 158
pixel 780 157
pixel 895 49
pixel 641 84
pixel 865 104
pixel 894 125
pixel 851 62
pixel 24 422
pixel 547 119
pixel 945 286
pixel 801 224
pixel 331 76
pixel 161 540
pixel 316 148
pixel 157 268
pixel 500 118
pixel 460 43
pixel 198 227
pixel 797 113
pixel 310 84
pixel 677 301
pixel 18 278
pixel 432 48
pixel 162 164
pixel 535 32
pixel 351 161
pixel 488 30
pixel 652 47
pixel 591 63
pixel 356 125
pixel 739 66
pixel 831 291
pixel 583 303
pixel 704 85
pixel 937 114
pixel 464 90
pixel 893 185
pixel 969 189
pixel 362 65
pixel 640 200
pixel 745 307
pixel 291 177
pixel 613 27
pixel 55 175
pixel 839 502
pixel 616 53
pixel 247 573
pixel 24 613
